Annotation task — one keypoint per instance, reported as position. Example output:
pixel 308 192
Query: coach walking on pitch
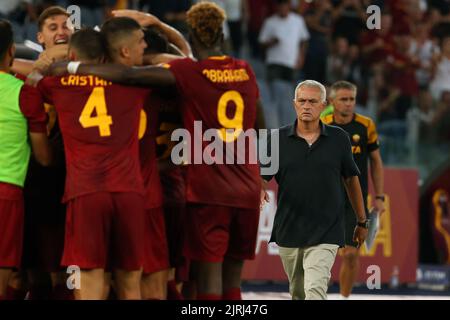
pixel 309 224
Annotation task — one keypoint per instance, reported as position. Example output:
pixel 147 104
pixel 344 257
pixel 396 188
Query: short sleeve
pixel 372 137
pixel 266 32
pixel 348 166
pixel 32 107
pixel 178 69
pixel 304 33
pixel 44 89
pixel 254 80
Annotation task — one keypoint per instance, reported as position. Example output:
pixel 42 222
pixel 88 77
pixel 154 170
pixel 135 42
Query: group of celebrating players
pixel 101 192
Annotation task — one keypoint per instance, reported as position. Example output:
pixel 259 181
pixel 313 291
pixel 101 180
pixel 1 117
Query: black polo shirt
pixel 310 203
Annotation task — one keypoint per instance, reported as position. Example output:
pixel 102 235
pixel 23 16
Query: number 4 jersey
pixel 222 93
pixel 99 122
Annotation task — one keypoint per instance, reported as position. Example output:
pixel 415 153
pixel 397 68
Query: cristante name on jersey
pixel 82 81
pixel 228 75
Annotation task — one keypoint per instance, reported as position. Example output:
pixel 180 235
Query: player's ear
pixel 40 38
pixel 124 52
pixel 12 53
pixel 12 50
pixel 72 55
pixel 323 106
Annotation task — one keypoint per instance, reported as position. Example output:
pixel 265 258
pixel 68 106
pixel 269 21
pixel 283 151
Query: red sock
pixel 232 294
pixel 172 292
pixel 15 294
pixel 61 292
pixel 208 296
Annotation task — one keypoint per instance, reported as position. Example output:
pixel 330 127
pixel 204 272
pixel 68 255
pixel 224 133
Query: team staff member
pixel 309 223
pixel 365 146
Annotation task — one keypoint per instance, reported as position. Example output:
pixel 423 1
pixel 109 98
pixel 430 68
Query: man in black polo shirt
pixel 365 146
pixel 314 159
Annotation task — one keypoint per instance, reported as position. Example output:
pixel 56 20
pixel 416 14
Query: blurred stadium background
pixel 403 84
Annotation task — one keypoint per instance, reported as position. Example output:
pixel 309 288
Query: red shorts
pixel 156 251
pixel 44 244
pixel 175 229
pixel 215 232
pixel 11 225
pixel 105 229
pixel 182 271
pixel 45 217
pixel 44 233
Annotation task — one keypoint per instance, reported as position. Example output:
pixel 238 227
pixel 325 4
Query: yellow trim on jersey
pixel 218 57
pixel 365 121
pixel 328 119
pixel 372 135
pixel 165 65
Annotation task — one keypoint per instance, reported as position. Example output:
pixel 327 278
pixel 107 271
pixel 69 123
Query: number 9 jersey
pixel 222 93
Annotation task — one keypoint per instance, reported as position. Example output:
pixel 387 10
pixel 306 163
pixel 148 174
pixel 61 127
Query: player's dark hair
pixel 89 44
pixel 116 29
pixel 156 42
pixel 205 19
pixel 51 12
pixel 6 37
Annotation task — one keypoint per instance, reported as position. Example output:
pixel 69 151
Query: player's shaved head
pixel 205 20
pixel 88 45
pixel 117 33
pixel 6 38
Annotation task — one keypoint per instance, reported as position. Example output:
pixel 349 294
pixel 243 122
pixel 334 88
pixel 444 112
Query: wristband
pixel 72 67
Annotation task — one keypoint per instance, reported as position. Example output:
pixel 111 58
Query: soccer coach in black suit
pixel 315 162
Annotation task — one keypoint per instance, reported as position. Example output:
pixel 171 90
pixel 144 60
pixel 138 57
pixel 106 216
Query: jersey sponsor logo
pixel 226 76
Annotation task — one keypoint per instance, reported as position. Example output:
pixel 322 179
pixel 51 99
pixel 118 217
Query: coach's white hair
pixel 313 84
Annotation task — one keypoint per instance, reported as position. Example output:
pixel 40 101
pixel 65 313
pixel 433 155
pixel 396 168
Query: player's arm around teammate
pixel 149 20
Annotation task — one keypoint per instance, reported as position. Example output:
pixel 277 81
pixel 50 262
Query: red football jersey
pixel 99 122
pixel 221 92
pixel 149 163
pixel 172 179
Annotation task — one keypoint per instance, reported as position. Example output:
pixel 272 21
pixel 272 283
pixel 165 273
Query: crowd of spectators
pixel 402 69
